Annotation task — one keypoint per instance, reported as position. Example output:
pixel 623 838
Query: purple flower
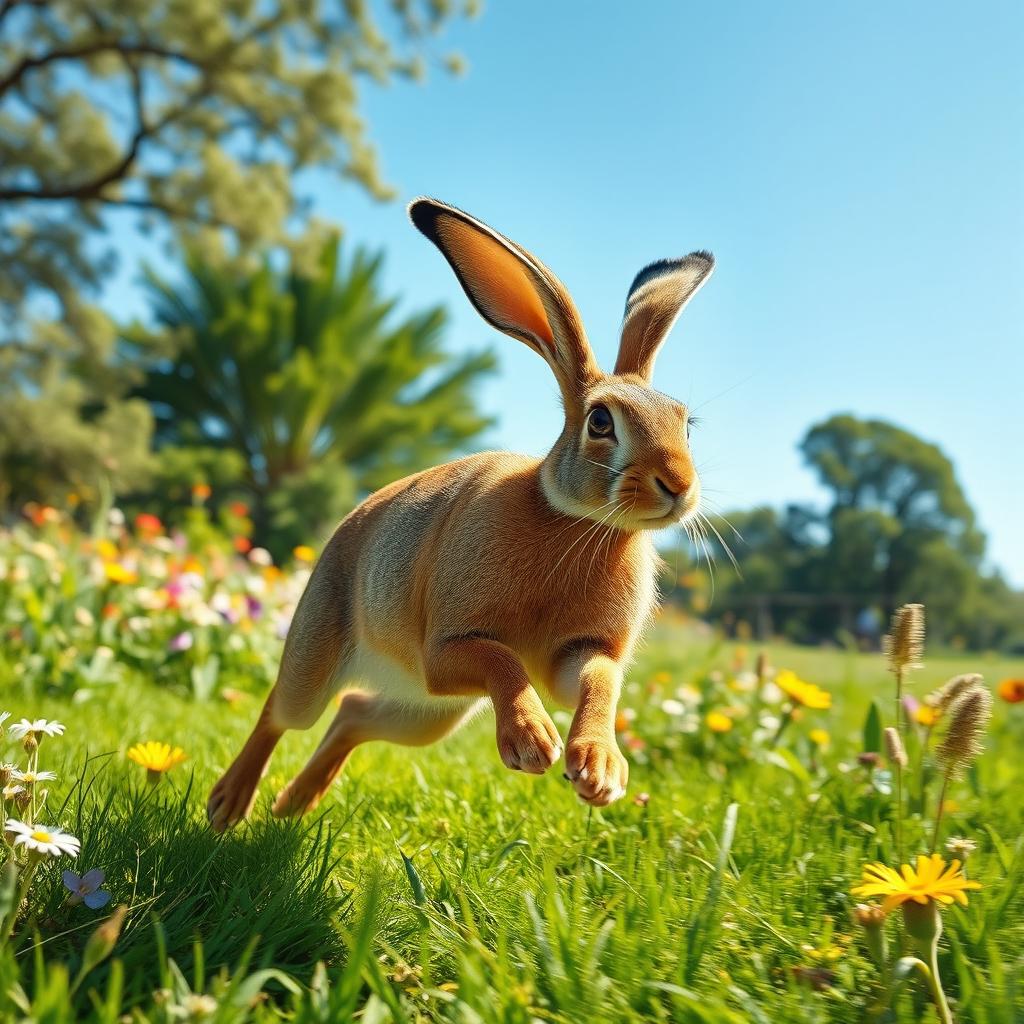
pixel 255 607
pixel 181 642
pixel 86 888
pixel 910 706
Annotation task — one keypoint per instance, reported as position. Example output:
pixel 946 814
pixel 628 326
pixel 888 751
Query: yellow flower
pixel 931 881
pixel 718 722
pixel 304 553
pixel 820 738
pixel 117 573
pixel 808 694
pixel 926 715
pixel 155 757
pixel 107 549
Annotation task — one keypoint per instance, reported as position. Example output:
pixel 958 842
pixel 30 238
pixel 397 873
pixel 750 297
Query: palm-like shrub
pixel 301 390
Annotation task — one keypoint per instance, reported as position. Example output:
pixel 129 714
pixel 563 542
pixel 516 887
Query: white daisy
pixel 40 727
pixel 10 792
pixel 4 715
pixel 33 777
pixel 42 838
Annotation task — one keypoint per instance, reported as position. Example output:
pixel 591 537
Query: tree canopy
pixel 302 389
pixel 899 528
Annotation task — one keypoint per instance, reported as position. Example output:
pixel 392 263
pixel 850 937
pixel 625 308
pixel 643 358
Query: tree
pixel 902 486
pixel 899 528
pixel 306 379
pixel 193 115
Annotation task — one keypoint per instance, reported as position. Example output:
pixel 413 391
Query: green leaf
pixel 873 729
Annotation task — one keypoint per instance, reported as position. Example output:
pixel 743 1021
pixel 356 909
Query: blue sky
pixel 857 171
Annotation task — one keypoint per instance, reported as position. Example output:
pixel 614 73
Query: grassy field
pixel 436 885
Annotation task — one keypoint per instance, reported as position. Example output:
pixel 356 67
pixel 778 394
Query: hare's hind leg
pixel 364 717
pixel 313 656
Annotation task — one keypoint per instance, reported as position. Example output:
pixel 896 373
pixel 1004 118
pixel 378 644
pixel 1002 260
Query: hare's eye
pixel 600 422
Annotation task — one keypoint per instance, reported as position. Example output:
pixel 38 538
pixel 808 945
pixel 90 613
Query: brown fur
pixel 472 579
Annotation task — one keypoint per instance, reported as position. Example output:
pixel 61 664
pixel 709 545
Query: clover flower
pixel 86 888
pixel 42 839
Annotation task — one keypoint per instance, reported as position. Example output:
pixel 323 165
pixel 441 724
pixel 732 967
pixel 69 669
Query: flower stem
pixel 786 719
pixel 940 807
pixel 899 767
pixel 935 983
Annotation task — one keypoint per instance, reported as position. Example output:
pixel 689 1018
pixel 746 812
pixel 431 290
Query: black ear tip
pixel 703 256
pixel 423 213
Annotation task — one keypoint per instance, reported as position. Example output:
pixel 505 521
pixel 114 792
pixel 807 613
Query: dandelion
pixel 1012 690
pixel 930 880
pixel 820 737
pixel 115 572
pixel 920 892
pixel 86 888
pixel 156 758
pixel 716 721
pixel 927 715
pixel 806 694
pixel 42 839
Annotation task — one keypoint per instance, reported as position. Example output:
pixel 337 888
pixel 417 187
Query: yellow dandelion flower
pixel 718 722
pixel 807 694
pixel 927 715
pixel 117 573
pixel 931 881
pixel 155 757
pixel 820 738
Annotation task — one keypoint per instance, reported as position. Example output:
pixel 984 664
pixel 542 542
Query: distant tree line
pixel 898 529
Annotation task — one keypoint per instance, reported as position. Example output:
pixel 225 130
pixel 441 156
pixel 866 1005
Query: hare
pixel 463 583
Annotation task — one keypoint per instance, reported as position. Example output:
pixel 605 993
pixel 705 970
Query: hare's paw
pixel 596 769
pixel 528 740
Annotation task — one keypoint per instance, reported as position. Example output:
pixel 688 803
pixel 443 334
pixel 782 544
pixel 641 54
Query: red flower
pixel 242 544
pixel 238 508
pixel 146 522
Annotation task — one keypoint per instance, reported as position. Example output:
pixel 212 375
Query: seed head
pixel 894 748
pixel 969 715
pixel 944 696
pixel 904 645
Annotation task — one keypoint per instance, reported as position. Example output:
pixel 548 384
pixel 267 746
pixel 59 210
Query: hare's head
pixel 624 454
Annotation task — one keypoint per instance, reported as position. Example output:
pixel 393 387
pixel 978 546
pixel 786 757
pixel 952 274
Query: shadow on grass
pixel 269 882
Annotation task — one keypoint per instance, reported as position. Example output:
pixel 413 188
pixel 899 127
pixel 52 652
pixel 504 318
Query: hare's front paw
pixel 596 769
pixel 527 738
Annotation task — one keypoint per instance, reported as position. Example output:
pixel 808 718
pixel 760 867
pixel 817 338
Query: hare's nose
pixel 671 489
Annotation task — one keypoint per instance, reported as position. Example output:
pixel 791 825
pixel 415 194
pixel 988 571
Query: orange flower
pixel 242 544
pixel 1012 690
pixel 201 491
pixel 147 523
pixel 238 508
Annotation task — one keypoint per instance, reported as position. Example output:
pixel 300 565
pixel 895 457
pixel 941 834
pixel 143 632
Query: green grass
pixel 436 885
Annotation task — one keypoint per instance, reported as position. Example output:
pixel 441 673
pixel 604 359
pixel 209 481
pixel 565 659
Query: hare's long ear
pixel 512 290
pixel 656 298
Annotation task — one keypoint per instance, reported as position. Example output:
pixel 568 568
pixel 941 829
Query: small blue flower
pixel 86 888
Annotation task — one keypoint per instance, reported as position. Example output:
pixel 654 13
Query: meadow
pixel 434 884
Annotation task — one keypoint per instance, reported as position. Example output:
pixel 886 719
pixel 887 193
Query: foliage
pixel 305 380
pixel 84 614
pixel 196 118
pixel 899 529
